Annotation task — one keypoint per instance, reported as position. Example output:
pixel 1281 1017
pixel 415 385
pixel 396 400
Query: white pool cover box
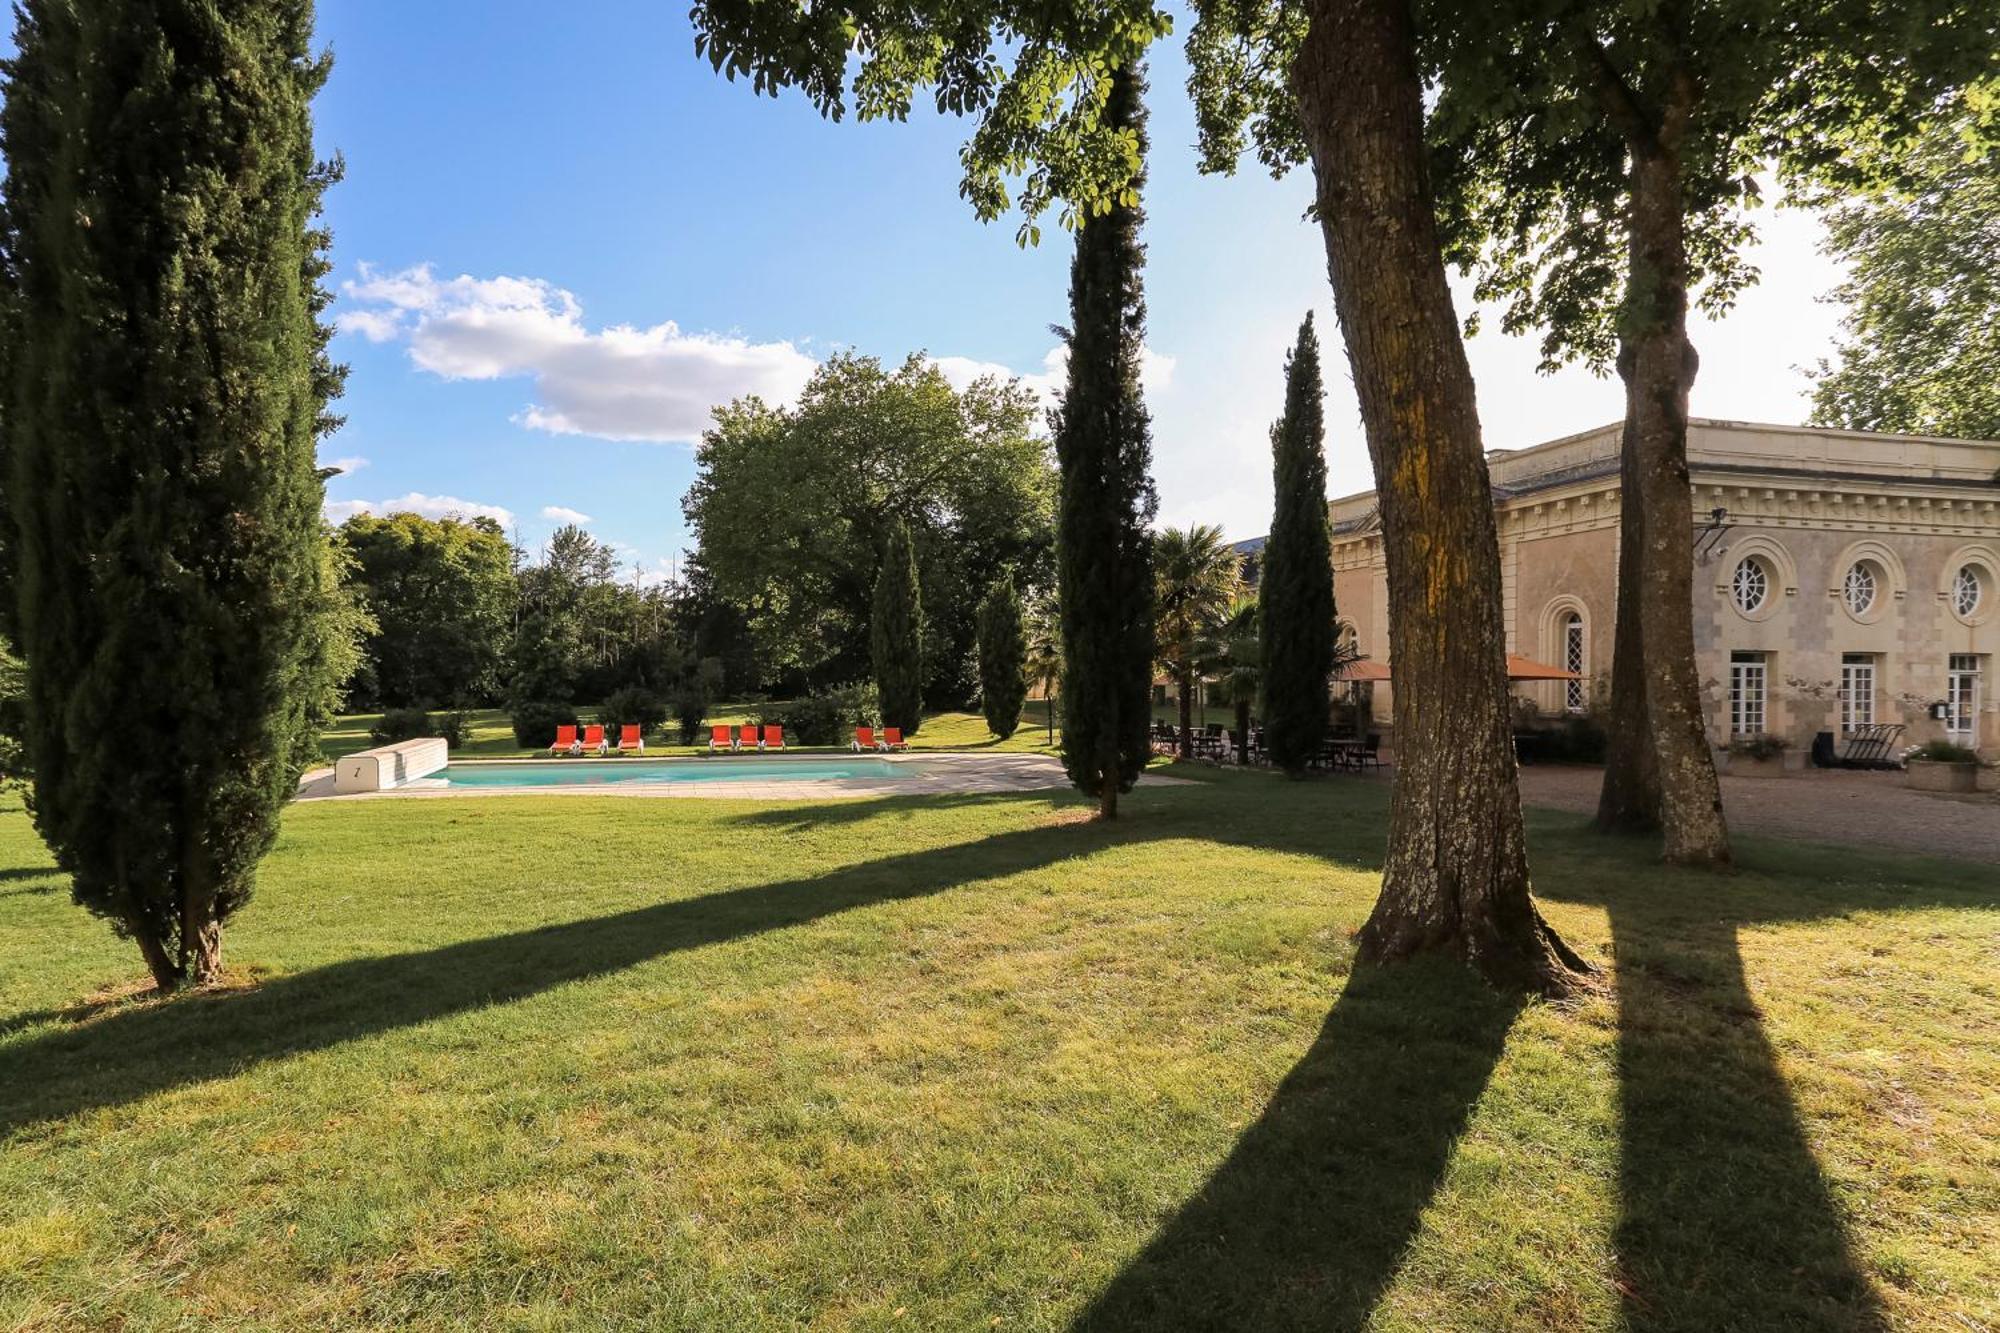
pixel 388 766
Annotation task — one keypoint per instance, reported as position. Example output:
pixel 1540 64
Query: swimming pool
pixel 618 772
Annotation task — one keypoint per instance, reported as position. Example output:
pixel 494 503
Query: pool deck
pixel 932 773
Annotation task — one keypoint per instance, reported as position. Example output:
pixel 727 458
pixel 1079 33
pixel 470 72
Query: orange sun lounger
pixel 565 740
pixel 864 738
pixel 629 738
pixel 774 738
pixel 892 739
pixel 593 739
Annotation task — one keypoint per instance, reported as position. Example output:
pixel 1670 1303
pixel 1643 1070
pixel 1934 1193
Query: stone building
pixel 1841 577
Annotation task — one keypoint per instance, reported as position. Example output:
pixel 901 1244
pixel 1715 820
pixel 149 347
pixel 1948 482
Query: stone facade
pixel 1841 577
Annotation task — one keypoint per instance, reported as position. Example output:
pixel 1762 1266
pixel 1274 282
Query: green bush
pixel 1943 752
pixel 821 719
pixel 633 705
pixel 407 724
pixel 1758 747
pixel 535 723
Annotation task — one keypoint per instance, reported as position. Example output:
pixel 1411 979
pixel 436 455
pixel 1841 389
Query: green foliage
pixel 1943 752
pixel 13 719
pixel 1103 438
pixel 1295 592
pixel 819 719
pixel 1047 120
pixel 582 634
pixel 896 632
pixel 1758 747
pixel 535 722
pixel 401 724
pixel 1196 577
pixel 1920 345
pixel 635 705
pixel 168 381
pixel 789 503
pixel 693 696
pixel 1003 657
pixel 442 593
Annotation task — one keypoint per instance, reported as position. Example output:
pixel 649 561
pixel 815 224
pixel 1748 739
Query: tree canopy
pixel 1003 657
pixel 1295 590
pixel 1920 343
pixel 789 506
pixel 896 632
pixel 442 593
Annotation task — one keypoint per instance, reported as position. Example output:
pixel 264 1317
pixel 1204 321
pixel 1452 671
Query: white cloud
pixel 345 466
pixel 430 506
pixel 1156 372
pixel 560 514
pixel 619 383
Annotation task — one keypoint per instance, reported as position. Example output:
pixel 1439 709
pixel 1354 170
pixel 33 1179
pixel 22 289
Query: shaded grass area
pixel 932 1062
pixel 492 733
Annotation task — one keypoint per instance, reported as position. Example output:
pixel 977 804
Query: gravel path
pixel 1820 805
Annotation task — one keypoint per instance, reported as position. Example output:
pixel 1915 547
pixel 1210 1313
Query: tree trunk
pixel 166 975
pixel 1456 876
pixel 1107 800
pixel 1242 731
pixel 1663 366
pixel 1629 801
pixel 1184 681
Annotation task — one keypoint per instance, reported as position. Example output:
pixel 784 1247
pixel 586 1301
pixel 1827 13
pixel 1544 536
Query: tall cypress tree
pixel 166 384
pixel 1295 595
pixel 1003 657
pixel 897 633
pixel 1104 451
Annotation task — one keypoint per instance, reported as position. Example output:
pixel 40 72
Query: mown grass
pixel 492 733
pixel 968 1062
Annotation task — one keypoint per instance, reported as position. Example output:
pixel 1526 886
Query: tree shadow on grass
pixel 11 873
pixel 1726 1219
pixel 1306 1222
pixel 148 1048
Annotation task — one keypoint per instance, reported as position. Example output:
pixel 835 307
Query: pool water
pixel 594 773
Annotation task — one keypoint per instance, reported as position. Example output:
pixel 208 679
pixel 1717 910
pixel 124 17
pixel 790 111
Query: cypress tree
pixel 896 635
pixel 1003 657
pixel 167 381
pixel 1295 594
pixel 1103 440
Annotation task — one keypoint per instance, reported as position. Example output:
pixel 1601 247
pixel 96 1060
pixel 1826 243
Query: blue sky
pixel 535 191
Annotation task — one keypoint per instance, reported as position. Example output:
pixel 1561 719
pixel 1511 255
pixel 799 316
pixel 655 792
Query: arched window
pixel 1967 591
pixel 1575 692
pixel 1859 589
pixel 1750 586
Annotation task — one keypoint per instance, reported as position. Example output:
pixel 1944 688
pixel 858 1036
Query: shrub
pixel 1942 752
pixel 690 711
pixel 535 723
pixel 633 705
pixel 813 721
pixel 1758 747
pixel 407 724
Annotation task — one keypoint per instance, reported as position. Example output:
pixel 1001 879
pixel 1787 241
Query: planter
pixel 1940 775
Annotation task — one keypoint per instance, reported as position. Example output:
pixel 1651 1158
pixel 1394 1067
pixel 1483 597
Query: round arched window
pixel 1860 587
pixel 1968 590
pixel 1750 586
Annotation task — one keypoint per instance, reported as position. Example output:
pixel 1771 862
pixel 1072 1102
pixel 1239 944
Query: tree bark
pixel 1242 732
pixel 166 974
pixel 1657 389
pixel 1107 800
pixel 1629 800
pixel 1184 682
pixel 1455 879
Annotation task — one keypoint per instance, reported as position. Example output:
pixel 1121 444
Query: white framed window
pixel 1576 694
pixel 1860 589
pixel 1747 677
pixel 1857 690
pixel 1968 590
pixel 1961 697
pixel 1750 585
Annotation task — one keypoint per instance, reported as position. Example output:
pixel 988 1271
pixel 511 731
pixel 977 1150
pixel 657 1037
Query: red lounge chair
pixel 746 739
pixel 630 739
pixel 892 739
pixel 774 738
pixel 565 740
pixel 593 739
pixel 864 739
pixel 718 738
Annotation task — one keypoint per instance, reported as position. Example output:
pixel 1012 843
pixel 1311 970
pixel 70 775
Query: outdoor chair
pixel 565 740
pixel 593 739
pixel 864 739
pixel 774 738
pixel 719 738
pixel 630 739
pixel 892 739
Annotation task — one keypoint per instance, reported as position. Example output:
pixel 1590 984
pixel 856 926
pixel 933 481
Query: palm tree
pixel 1232 659
pixel 1045 662
pixel 1196 577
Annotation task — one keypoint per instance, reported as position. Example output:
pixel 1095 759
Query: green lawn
pixel 493 734
pixel 975 1062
